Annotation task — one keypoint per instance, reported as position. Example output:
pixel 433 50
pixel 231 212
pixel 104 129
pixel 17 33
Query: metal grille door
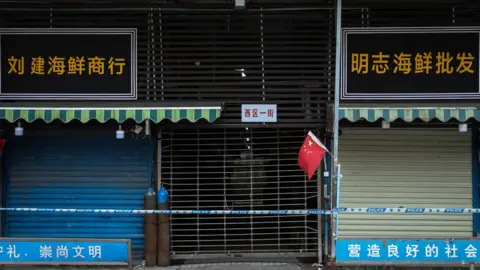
pixel 61 170
pixel 240 169
pixel 437 162
pixel 259 55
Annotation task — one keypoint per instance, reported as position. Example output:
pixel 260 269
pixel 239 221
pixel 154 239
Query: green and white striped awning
pixel 409 114
pixel 103 114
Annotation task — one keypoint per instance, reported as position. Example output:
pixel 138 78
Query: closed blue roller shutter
pixel 81 172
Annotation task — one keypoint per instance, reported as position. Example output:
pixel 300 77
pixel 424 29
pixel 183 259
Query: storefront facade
pixel 76 164
pixel 408 143
pixel 419 181
pixel 56 171
pixel 180 114
pixel 406 167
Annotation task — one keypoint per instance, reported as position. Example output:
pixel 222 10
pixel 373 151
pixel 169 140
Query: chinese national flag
pixel 311 154
pixel 2 144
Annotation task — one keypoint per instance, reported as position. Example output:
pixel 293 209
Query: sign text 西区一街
pixel 419 251
pixel 64 251
pixel 259 113
pixel 410 63
pixel 85 64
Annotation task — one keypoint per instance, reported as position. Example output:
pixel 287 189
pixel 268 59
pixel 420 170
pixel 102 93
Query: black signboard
pixel 81 64
pixel 410 64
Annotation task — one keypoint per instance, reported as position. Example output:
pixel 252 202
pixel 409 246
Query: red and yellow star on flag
pixel 311 154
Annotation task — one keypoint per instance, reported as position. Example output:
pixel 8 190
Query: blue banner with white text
pixel 420 251
pixel 63 252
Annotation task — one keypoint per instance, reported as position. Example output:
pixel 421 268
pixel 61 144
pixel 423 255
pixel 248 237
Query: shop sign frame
pixel 437 80
pixel 119 61
pixel 408 251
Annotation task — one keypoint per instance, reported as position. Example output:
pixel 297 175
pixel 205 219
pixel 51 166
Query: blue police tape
pixel 375 210
pixel 169 212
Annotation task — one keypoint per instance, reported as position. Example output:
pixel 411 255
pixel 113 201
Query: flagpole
pixel 337 201
pixel 336 123
pixel 330 153
pixel 321 144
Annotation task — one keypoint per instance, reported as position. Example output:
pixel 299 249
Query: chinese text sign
pixel 411 63
pixel 68 64
pixel 435 251
pixel 259 113
pixel 58 251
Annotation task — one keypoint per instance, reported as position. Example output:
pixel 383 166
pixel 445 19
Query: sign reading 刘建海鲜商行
pixel 410 63
pixel 82 64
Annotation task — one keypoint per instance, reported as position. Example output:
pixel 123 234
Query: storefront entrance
pixel 423 167
pixel 238 169
pixel 75 169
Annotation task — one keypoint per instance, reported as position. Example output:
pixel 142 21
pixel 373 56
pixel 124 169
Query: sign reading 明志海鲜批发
pixel 55 63
pixel 64 251
pixel 410 63
pixel 398 251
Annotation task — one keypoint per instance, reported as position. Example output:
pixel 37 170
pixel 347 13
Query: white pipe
pixel 336 185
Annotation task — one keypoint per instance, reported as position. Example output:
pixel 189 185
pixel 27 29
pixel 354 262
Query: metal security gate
pixel 239 169
pixel 77 170
pixel 405 167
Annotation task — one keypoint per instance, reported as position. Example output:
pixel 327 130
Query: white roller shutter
pixel 423 167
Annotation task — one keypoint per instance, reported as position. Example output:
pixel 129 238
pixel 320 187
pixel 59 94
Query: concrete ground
pixel 207 266
pixel 233 266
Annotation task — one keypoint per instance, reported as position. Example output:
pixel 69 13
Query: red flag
pixel 311 154
pixel 2 144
